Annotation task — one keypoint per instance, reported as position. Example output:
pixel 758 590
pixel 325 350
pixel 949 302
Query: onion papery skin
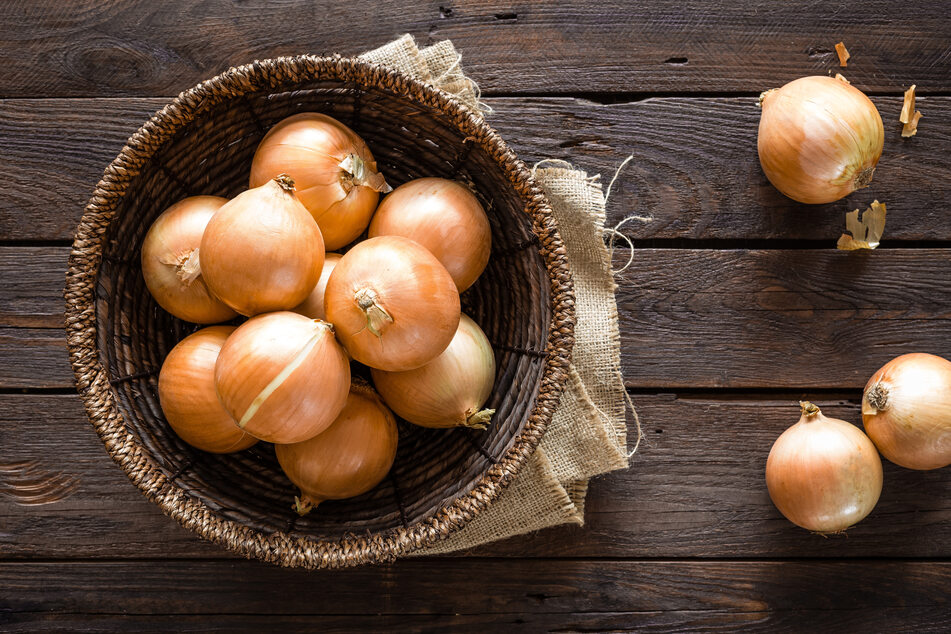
pixel 443 216
pixel 906 409
pixel 313 306
pixel 283 377
pixel 823 474
pixel 819 139
pixel 310 148
pixel 450 390
pixel 393 305
pixel 351 457
pixel 262 252
pixel 186 390
pixel 171 263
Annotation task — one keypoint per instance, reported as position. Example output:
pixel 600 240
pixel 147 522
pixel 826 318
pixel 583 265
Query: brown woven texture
pixel 202 143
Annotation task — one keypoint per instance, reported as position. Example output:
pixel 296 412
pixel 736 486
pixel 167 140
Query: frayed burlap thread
pixel 588 434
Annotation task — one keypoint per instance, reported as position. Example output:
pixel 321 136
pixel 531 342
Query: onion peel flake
pixel 843 54
pixel 908 106
pixel 866 232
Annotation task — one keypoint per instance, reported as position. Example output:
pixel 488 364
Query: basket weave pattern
pixel 201 143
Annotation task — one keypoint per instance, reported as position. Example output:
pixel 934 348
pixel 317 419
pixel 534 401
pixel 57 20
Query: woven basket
pixel 202 143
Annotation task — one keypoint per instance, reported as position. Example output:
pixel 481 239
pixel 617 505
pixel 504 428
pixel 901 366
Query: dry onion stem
pixel 841 77
pixel 865 233
pixel 843 54
pixel 907 108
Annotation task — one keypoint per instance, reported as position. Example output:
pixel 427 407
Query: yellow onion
pixel 819 139
pixel 823 474
pixel 443 216
pixel 336 174
pixel 170 263
pixel 393 305
pixel 907 411
pixel 186 390
pixel 262 251
pixel 450 390
pixel 313 306
pixel 283 377
pixel 351 457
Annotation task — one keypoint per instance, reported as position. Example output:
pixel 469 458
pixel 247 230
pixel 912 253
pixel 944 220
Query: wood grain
pixel 695 169
pixel 690 318
pixel 142 48
pixel 694 489
pixel 529 594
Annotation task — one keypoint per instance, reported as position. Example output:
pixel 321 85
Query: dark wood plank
pixel 695 489
pixel 690 318
pixel 87 48
pixel 535 594
pixel 695 171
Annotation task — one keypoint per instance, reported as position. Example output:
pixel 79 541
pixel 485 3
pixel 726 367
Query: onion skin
pixel 443 216
pixel 906 410
pixel 186 390
pixel 170 261
pixel 310 148
pixel 819 139
pixel 283 377
pixel 393 305
pixel 351 457
pixel 823 474
pixel 450 390
pixel 262 251
pixel 313 306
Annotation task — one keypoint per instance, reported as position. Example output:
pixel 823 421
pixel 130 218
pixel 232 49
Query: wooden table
pixel 736 306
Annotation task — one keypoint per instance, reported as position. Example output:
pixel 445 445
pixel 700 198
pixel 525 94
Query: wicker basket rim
pixel 284 73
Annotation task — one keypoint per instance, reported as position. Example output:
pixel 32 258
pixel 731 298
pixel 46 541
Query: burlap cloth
pixel 588 433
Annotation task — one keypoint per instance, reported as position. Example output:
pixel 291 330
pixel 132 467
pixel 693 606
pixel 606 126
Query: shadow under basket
pixel 202 143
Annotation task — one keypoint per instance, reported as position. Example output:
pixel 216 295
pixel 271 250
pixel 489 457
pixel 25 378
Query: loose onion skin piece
pixel 393 305
pixel 313 306
pixel 283 377
pixel 443 216
pixel 170 261
pixel 186 390
pixel 336 175
pixel 906 410
pixel 819 139
pixel 450 390
pixel 823 474
pixel 351 457
pixel 262 251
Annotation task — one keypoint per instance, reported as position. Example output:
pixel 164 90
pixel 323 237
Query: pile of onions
pixel 262 251
pixel 351 457
pixel 820 139
pixel 906 409
pixel 313 306
pixel 443 216
pixel 823 474
pixel 170 263
pixel 394 306
pixel 187 394
pixel 450 390
pixel 283 377
pixel 336 175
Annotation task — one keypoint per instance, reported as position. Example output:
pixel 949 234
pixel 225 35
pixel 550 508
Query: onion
pixel 283 377
pixel 907 411
pixel 443 216
pixel 335 172
pixel 394 306
pixel 450 390
pixel 819 139
pixel 823 474
pixel 313 306
pixel 262 251
pixel 351 457
pixel 170 261
pixel 186 390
